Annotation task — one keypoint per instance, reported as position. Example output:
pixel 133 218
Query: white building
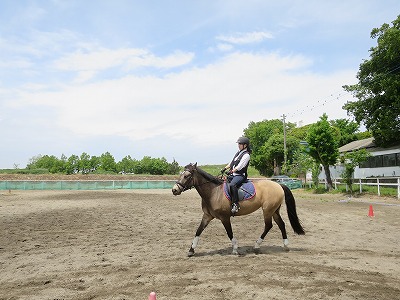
pixel 384 162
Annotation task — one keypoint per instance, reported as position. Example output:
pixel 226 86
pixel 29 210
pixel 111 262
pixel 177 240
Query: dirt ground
pixel 125 244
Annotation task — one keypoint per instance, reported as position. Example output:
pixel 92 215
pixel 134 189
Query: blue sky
pixel 173 79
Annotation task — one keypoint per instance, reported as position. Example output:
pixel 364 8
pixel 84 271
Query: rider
pixel 238 171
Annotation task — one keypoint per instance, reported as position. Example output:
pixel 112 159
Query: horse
pixel 269 197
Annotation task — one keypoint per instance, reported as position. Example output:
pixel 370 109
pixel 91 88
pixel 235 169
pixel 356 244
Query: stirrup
pixel 235 208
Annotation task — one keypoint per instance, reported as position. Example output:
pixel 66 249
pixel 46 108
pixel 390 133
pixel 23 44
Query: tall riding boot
pixel 235 199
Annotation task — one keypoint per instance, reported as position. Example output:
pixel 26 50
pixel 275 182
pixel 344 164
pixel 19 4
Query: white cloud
pixel 224 47
pixel 134 58
pixel 90 62
pixel 210 105
pixel 245 38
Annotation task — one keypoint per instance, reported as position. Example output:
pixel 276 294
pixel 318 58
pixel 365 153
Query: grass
pixel 216 170
pixel 24 171
pixel 366 190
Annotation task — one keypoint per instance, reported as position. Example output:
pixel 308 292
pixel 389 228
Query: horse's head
pixel 185 180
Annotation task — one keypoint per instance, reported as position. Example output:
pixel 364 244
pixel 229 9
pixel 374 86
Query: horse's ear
pixel 195 165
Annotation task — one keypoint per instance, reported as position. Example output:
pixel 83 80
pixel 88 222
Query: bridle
pixel 189 179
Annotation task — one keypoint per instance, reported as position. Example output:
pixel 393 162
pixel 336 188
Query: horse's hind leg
pixel 203 224
pixel 278 220
pixel 267 228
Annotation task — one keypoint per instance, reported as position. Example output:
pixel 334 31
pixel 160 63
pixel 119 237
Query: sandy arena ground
pixel 124 244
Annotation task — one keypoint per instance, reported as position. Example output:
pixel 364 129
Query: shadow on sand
pixel 249 250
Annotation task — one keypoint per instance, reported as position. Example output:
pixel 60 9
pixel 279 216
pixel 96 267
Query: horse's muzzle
pixel 176 190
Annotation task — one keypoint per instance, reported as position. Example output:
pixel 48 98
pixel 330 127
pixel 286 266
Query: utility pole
pixel 284 143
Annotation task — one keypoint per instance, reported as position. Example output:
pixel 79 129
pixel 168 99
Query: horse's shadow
pixel 249 250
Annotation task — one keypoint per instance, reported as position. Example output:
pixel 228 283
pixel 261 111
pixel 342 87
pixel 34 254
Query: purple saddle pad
pixel 246 191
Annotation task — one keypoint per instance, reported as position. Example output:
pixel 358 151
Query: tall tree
pixel 322 141
pixel 125 165
pixel 378 88
pixel 94 163
pixel 72 165
pixel 107 162
pixel 84 163
pixel 347 130
pixel 266 139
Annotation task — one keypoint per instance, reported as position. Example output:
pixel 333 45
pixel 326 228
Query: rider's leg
pixel 235 199
pixel 234 185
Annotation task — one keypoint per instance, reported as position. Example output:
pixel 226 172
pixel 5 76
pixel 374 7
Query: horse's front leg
pixel 228 227
pixel 203 224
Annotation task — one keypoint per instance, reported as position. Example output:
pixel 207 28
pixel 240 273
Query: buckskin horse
pixel 269 197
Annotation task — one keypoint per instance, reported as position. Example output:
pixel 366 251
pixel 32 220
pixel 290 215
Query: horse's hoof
pixel 190 253
pixel 257 250
pixel 235 252
pixel 286 248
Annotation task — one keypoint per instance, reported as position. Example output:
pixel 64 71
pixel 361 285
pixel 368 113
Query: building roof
pixel 356 145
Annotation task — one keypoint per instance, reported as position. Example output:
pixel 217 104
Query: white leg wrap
pixel 285 242
pixel 195 241
pixel 258 243
pixel 234 246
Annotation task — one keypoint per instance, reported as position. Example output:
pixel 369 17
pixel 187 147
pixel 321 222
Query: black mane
pixel 208 177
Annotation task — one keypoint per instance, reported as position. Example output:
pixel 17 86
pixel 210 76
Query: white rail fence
pixel 379 182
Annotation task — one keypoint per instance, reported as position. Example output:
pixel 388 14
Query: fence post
pixel 359 180
pixel 379 188
pixel 398 188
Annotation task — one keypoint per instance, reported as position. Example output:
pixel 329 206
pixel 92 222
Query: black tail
pixel 291 210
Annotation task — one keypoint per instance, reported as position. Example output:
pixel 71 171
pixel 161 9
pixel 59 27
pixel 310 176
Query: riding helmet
pixel 243 140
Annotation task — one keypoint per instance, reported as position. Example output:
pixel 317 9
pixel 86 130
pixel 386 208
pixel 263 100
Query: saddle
pixel 246 191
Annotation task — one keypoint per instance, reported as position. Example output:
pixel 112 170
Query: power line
pixel 318 104
pixel 337 96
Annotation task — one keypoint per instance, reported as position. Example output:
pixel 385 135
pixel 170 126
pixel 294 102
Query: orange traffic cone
pixel 152 296
pixel 371 211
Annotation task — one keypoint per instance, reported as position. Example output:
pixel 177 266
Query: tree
pixel 125 165
pixel 173 167
pixel 323 145
pixel 302 163
pixel 72 165
pixel 49 162
pixel 107 162
pixel 94 163
pixel 299 132
pixel 159 166
pixel 315 170
pixel 64 161
pixel 378 87
pixel 274 151
pixel 84 163
pixel 266 139
pixel 347 130
pixel 351 160
pixel 32 161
